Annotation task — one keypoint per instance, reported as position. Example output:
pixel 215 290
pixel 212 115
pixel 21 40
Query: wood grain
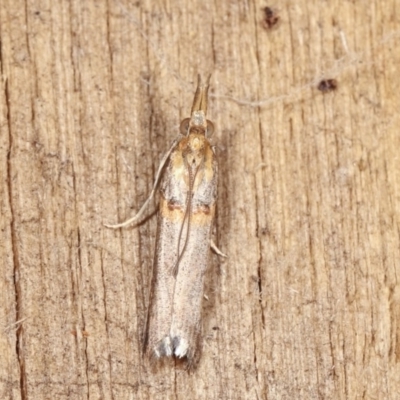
pixel 307 304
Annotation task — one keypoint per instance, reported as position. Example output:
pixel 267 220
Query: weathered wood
pixel 307 304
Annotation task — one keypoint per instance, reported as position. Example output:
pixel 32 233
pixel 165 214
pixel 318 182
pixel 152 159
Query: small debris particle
pixel 327 85
pixel 270 18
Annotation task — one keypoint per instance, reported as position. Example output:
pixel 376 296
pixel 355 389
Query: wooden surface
pixel 307 306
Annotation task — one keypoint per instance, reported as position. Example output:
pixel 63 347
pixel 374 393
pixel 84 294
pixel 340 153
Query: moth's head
pixel 198 123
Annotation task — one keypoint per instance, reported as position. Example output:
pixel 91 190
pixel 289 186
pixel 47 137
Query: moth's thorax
pixel 194 149
pixel 193 153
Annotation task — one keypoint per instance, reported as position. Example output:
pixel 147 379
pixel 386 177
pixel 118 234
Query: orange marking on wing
pixel 203 215
pixel 172 212
pixel 175 212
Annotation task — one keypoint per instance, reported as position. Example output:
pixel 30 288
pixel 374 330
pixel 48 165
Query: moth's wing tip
pixel 162 348
pixel 181 347
pixel 188 352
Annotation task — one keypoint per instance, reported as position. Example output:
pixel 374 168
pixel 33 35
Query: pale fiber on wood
pixel 307 304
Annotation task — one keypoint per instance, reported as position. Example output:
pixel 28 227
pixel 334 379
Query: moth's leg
pixel 138 216
pixel 216 249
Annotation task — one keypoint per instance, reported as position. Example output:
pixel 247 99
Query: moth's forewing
pixel 174 322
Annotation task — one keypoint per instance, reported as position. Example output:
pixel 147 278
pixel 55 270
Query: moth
pixel 187 181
